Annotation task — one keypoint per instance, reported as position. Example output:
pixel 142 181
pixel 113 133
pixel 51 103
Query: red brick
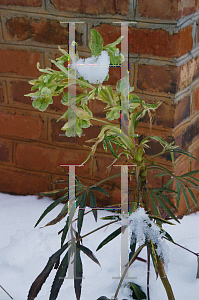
pixel 2 92
pixel 182 110
pixel 157 78
pixel 155 42
pixel 39 30
pixel 187 7
pixel 195 100
pixel 93 7
pixel 57 135
pixel 5 150
pixel 182 166
pixel 21 125
pixel 19 62
pixel 48 159
pixel 164 9
pixel 18 89
pixel 195 163
pixel 22 182
pixel 188 134
pixel 32 3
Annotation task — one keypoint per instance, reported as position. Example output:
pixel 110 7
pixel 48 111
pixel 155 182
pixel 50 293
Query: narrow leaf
pixel 109 238
pixel 78 274
pixel 89 253
pixel 93 204
pixel 178 193
pixel 99 189
pixel 192 196
pixel 81 211
pixel 186 198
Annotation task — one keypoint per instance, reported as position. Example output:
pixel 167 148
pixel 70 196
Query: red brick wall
pixel 163 61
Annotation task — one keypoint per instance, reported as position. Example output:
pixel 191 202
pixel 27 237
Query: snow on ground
pixel 24 251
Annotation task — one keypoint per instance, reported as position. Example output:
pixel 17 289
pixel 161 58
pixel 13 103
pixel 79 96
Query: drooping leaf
pixel 88 252
pixel 197 276
pixel 166 199
pixel 65 231
pixel 78 274
pixel 39 281
pixel 151 248
pixel 59 277
pixel 168 183
pixel 160 219
pixel 192 196
pixel 109 238
pixel 154 205
pixel 178 194
pixel 137 291
pixel 51 206
pixel 93 204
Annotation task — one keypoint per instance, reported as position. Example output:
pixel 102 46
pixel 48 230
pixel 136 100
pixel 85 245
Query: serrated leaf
pixel 109 238
pixel 39 281
pixel 59 277
pixel 93 204
pixel 96 42
pixel 78 274
pixel 88 252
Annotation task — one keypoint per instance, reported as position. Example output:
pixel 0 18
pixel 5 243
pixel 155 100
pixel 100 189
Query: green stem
pixel 126 269
pixel 165 280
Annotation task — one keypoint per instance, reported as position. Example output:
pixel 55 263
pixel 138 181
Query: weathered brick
pixel 48 159
pixel 157 42
pixel 5 150
pixel 195 100
pixel 18 89
pixel 21 125
pixel 157 78
pixel 23 183
pixel 2 92
pixel 186 137
pixel 187 7
pixel 93 7
pixel 32 3
pixel 188 73
pixel 19 62
pixel 164 9
pixel 39 30
pixel 195 163
pixel 182 110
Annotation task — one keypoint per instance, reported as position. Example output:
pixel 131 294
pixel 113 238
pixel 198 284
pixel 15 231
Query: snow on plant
pixel 122 140
pixel 142 228
pixel 94 69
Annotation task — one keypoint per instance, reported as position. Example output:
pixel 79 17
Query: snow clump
pixel 142 229
pixel 94 69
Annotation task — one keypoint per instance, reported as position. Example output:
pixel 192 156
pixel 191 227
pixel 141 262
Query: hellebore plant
pixel 118 134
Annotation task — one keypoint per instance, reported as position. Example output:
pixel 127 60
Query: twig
pixel 148 272
pixel 5 291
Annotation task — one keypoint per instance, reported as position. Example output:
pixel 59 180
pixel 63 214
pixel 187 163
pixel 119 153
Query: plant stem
pixel 148 272
pixel 197 254
pixel 126 269
pixel 165 280
pixel 5 292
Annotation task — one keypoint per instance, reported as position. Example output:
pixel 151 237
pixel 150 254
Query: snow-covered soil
pixel 24 251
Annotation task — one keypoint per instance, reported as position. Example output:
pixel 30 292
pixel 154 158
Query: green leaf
pixel 78 274
pixel 190 173
pixel 109 238
pixel 197 276
pixel 104 145
pixel 51 206
pixel 178 193
pixel 59 277
pixel 192 196
pixel 82 200
pixel 111 149
pixel 154 206
pixel 88 252
pixel 186 198
pixel 165 207
pixel 166 199
pixel 168 183
pixel 99 189
pixel 93 204
pixel 132 208
pixel 65 231
pixel 160 219
pixel 137 291
pixel 39 281
pixel 153 255
pixel 96 42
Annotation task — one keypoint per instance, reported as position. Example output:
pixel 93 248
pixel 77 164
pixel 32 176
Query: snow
pixel 94 69
pixel 24 251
